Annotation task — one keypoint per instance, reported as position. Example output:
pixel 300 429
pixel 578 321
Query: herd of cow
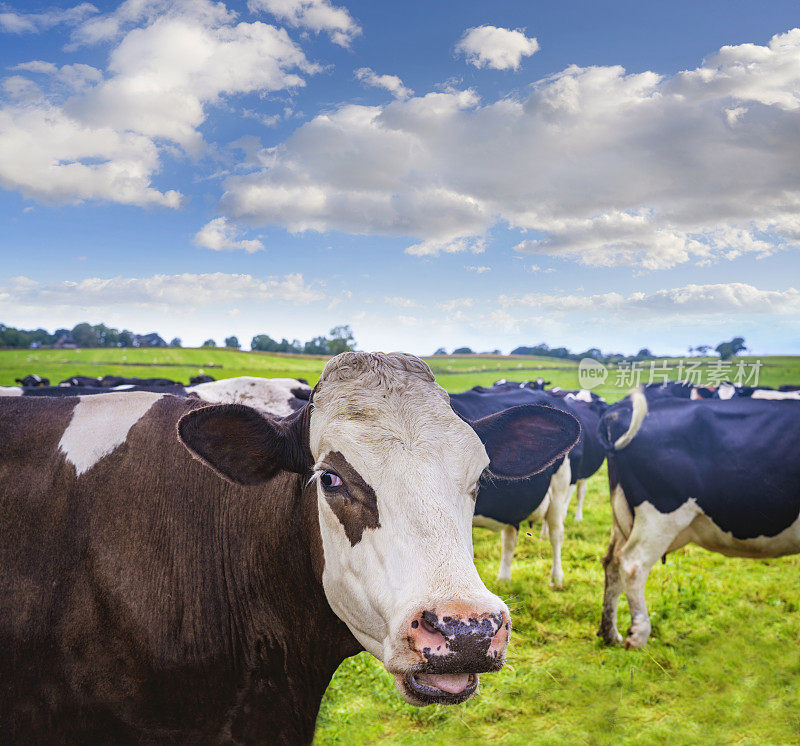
pixel 192 563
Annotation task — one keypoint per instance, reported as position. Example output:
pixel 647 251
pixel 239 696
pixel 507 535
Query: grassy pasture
pixel 723 662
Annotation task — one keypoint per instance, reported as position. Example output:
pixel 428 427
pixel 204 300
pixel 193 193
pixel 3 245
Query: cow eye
pixel 329 480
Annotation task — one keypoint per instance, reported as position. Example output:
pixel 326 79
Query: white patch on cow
pixel 481 521
pixel 584 395
pixel 267 395
pixel 394 425
pixel 775 395
pixel 10 391
pixel 100 424
pixel 724 391
pixel 122 387
pixel 634 551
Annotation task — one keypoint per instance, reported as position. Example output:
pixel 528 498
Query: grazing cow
pixel 280 396
pixel 178 572
pixel 32 381
pixel 502 506
pixel 722 474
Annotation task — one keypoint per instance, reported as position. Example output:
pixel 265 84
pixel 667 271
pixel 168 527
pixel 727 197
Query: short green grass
pixel 723 662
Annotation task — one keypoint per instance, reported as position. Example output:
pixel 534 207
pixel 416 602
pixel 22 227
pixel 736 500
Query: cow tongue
pixel 453 683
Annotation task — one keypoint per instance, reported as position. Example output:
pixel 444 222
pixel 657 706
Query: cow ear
pixel 522 441
pixel 244 446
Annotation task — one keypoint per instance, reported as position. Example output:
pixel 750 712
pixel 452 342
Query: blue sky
pixel 584 174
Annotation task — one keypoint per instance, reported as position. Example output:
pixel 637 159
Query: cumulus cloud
pixel 79 133
pixel 478 269
pixel 498 48
pixel 391 83
pixel 316 15
pixel 33 23
pixel 595 164
pixel 220 235
pixel 401 302
pixel 168 292
pixel 724 299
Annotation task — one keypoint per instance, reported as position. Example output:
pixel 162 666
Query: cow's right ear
pixel 242 445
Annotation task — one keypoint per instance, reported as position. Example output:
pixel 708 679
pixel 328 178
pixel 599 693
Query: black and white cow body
pixel 503 506
pixel 278 396
pixel 722 474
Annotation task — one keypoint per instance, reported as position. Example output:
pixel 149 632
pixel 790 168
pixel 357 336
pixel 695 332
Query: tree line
pixel 726 350
pixel 339 339
pixel 82 335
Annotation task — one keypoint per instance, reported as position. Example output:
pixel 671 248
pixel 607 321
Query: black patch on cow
pixel 738 458
pixel 354 502
pixel 301 393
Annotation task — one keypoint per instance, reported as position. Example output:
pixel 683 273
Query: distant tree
pixel 593 352
pixel 497 352
pixel 263 343
pixel 127 338
pixel 702 349
pixel 463 351
pixel 316 346
pixel 232 341
pixel 209 343
pixel 643 353
pixel 727 350
pixel 341 340
pixel 440 351
pixel 150 340
pixel 84 335
pixel 175 342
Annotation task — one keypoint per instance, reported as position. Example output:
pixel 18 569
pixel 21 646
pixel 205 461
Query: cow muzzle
pixel 452 647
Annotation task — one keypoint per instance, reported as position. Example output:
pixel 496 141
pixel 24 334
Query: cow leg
pixel 613 588
pixel 556 515
pixel 508 539
pixel 581 487
pixel 652 536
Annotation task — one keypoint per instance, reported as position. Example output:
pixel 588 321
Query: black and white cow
pixel 722 474
pixel 178 572
pixel 278 396
pixel 502 506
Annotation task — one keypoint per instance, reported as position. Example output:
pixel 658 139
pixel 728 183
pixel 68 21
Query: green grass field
pixel 723 662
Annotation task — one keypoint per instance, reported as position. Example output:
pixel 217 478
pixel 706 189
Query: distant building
pixel 66 342
pixel 150 340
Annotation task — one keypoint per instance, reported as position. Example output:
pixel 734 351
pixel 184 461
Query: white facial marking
pixel 101 423
pixel 268 395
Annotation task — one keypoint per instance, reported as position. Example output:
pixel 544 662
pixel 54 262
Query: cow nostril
pixel 427 626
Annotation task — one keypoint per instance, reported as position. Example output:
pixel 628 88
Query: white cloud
pixel 478 269
pixel 456 304
pixel 167 292
pixel 498 48
pixel 33 23
pixel 592 163
pixel 316 15
pixel 220 235
pixel 391 83
pixel 724 299
pixel 79 133
pixel 401 302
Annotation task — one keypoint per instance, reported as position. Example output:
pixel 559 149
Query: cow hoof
pixel 503 578
pixel 634 643
pixel 557 585
pixel 609 636
pixel 578 518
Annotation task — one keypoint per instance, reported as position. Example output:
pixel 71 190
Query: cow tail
pixel 637 417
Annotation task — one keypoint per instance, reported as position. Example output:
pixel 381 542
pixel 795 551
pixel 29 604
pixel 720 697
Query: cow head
pixel 395 472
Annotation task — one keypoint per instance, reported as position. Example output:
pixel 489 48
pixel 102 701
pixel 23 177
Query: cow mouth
pixel 442 688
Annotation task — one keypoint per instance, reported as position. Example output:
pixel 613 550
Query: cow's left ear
pixel 244 446
pixel 522 441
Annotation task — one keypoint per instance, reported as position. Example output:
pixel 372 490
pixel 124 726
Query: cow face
pixel 396 472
